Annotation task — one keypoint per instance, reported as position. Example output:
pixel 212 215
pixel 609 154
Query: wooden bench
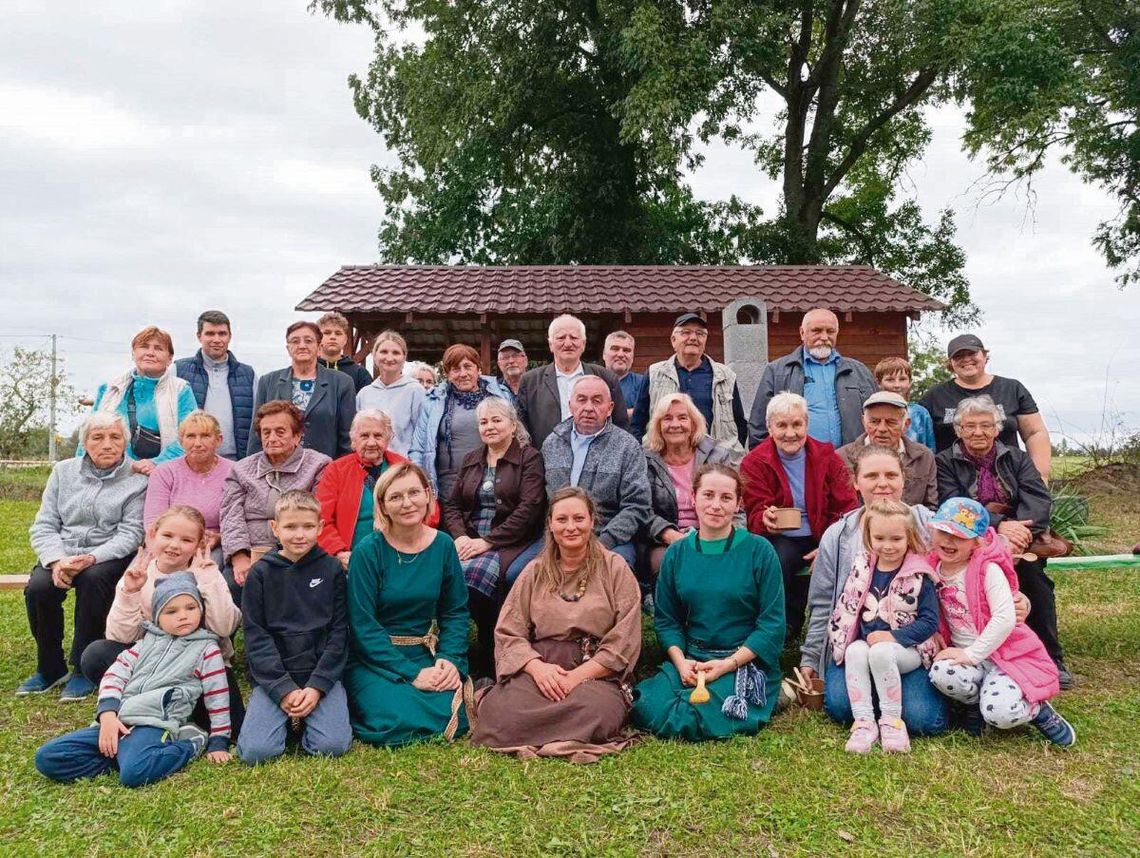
pixel 13 582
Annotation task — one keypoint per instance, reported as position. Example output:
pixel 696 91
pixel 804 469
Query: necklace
pixel 581 591
pixel 400 559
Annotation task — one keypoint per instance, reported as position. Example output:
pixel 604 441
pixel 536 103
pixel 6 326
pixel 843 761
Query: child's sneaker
pixel 893 736
pixel 864 735
pixel 970 719
pixel 196 736
pixel 37 683
pixel 79 687
pixel 1053 727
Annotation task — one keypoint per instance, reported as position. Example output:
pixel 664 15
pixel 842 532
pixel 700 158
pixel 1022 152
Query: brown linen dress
pixel 605 624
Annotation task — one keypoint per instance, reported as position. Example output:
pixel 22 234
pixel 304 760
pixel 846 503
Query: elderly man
pixel 543 400
pixel 885 421
pixel 617 354
pixel 588 451
pixel 222 385
pixel 711 385
pixel 512 365
pixel 834 386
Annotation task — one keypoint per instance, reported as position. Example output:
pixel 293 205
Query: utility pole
pixel 51 418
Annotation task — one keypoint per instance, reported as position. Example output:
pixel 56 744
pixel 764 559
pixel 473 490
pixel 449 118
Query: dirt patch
pixel 1119 481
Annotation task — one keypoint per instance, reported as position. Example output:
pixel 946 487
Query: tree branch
pixel 847 226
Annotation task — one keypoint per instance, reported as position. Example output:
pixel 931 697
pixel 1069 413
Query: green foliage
pixel 927 363
pixel 1070 520
pixel 25 392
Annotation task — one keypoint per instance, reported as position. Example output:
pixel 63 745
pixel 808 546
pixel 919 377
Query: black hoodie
pixel 360 376
pixel 296 622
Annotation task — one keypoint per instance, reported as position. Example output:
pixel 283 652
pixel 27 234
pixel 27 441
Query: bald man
pixel 834 386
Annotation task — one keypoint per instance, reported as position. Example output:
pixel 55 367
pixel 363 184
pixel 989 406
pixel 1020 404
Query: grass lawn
pixel 789 791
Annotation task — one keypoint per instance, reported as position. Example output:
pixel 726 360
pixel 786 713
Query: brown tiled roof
pixel 546 289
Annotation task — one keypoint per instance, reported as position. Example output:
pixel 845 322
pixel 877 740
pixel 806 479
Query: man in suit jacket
pixel 543 399
pixel 326 396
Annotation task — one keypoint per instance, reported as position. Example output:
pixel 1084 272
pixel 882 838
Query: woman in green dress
pixel 407 610
pixel 720 613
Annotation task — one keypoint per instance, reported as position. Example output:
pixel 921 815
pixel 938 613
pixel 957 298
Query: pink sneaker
pixel 864 735
pixel 894 736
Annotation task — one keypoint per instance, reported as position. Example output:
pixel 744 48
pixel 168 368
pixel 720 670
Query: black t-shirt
pixel 1009 394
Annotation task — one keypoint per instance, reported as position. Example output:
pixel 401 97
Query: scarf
pixel 990 489
pixel 371 475
pixel 465 399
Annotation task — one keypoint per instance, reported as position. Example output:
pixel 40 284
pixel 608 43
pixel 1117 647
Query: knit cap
pixel 169 586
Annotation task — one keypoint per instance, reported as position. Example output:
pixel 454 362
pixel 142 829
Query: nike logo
pixel 315 582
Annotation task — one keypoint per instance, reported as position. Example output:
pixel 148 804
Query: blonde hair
pixel 383 521
pixel 199 419
pixel 189 513
pixel 389 337
pixel 655 440
pixel 497 403
pixel 296 500
pixel 547 570
pixel 894 509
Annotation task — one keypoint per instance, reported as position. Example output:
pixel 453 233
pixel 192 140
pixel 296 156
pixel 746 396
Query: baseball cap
pixel 961 517
pixel 512 344
pixel 884 397
pixel 685 318
pixel 964 343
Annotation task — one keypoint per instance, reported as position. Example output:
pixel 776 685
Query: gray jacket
pixel 838 548
pixel 328 417
pixel 614 474
pixel 663 514
pixel 84 513
pixel 853 384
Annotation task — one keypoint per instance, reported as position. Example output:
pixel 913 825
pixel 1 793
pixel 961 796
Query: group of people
pixel 353 523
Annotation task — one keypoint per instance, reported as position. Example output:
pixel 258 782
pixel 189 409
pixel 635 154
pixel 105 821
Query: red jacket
pixel 828 489
pixel 339 490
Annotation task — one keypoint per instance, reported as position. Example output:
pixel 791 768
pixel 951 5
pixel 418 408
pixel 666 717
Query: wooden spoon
pixel 700 693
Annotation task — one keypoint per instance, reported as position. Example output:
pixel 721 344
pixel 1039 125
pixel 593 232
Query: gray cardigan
pixel 614 474
pixel 663 514
pixel 328 417
pixel 84 513
pixel 837 551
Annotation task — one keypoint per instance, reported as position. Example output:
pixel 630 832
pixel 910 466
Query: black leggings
pixel 485 612
pixel 791 551
pixel 1038 588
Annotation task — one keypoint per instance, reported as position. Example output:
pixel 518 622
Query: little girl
pixel 995 663
pixel 883 623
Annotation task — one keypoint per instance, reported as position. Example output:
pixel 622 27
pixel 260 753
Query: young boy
pixel 296 639
pixel 893 374
pixel 147 697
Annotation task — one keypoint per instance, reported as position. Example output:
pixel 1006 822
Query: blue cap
pixel 962 517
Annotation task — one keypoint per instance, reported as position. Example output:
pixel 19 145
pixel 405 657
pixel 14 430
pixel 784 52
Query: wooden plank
pixel 13 582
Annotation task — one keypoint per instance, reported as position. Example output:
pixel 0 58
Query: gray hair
pixel 785 402
pixel 620 335
pixel 411 367
pixel 104 420
pixel 376 414
pixel 499 405
pixel 566 317
pixel 983 404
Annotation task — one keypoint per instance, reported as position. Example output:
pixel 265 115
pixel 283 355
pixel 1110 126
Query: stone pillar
pixel 745 323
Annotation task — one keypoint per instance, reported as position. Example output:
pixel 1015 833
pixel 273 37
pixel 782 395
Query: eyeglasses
pixel 413 495
pixel 975 428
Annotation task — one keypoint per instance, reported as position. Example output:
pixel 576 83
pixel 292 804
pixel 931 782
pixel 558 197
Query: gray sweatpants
pixel 997 696
pixel 884 663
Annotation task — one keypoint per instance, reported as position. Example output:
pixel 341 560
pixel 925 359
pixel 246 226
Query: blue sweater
pixel 147 415
pixel 925 622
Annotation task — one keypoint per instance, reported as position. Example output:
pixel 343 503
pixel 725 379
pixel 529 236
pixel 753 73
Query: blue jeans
pixel 924 711
pixel 519 563
pixel 265 728
pixel 627 552
pixel 146 755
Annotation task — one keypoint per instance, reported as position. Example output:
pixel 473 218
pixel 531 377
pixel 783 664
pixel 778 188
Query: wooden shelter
pixel 435 306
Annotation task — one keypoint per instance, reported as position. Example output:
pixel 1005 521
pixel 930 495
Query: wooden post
pixel 485 345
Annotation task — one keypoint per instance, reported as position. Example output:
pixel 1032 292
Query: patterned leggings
pixel 997 696
pixel 884 663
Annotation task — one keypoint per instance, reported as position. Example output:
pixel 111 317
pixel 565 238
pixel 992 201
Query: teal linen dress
pixel 390 594
pixel 711 600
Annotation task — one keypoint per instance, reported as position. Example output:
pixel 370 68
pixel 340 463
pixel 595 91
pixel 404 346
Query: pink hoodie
pixel 1022 656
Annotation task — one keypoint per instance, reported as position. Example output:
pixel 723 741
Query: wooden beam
pixel 849 317
pixel 409 318
pixel 485 347
pixel 627 317
pixel 774 317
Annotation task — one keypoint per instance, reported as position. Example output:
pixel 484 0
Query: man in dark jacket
pixel 334 339
pixel 885 420
pixel 222 385
pixel 543 399
pixel 834 386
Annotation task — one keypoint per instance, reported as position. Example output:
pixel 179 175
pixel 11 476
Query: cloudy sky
pixel 160 158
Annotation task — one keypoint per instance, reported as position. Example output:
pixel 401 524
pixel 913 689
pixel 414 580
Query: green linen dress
pixel 390 594
pixel 711 600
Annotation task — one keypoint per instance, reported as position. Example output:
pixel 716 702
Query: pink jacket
pixel 130 610
pixel 1022 656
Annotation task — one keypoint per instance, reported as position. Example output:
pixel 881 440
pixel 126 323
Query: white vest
pixel 663 381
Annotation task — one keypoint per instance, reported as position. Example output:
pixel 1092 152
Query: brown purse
pixel 1047 544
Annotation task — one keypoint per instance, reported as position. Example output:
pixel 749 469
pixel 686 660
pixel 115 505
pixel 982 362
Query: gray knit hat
pixel 169 586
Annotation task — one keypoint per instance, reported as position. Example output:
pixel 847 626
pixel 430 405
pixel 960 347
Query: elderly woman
pixel 968 360
pixel 88 526
pixel 398 395
pixel 448 429
pixel 567 642
pixel 407 611
pixel 719 614
pixel 195 479
pixel 151 398
pixel 495 514
pixel 255 483
pixel 790 469
pixel 326 398
pixel 422 372
pixel 1005 480
pixel 677 444
pixel 345 487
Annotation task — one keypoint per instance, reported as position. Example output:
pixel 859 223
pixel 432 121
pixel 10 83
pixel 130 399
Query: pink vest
pixel 1022 657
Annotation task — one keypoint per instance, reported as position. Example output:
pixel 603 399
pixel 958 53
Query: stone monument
pixel 745 325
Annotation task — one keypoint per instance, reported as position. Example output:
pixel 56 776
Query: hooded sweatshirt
pixel 296 622
pixel 402 400
pixel 360 376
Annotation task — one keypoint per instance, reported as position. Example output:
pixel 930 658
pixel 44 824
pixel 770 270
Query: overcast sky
pixel 160 158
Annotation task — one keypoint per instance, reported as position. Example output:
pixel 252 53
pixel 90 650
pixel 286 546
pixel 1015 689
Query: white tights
pixel 997 696
pixel 884 663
